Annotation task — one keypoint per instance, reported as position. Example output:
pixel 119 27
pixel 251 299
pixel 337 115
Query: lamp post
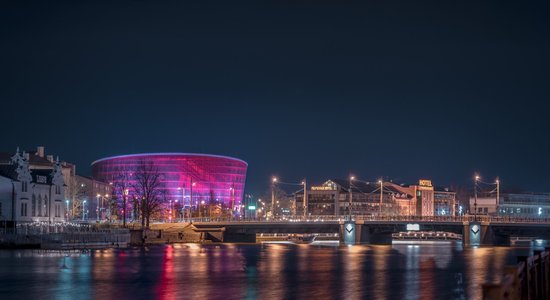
pixel 200 208
pixel 232 191
pixel 497 181
pixel 273 181
pixel 124 207
pixel 191 192
pixel 97 207
pixel 381 182
pixel 476 178
pixel 67 211
pixel 305 198
pixel 83 210
pixel 351 179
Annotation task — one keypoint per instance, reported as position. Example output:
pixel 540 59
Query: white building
pixel 526 205
pixel 483 206
pixel 31 195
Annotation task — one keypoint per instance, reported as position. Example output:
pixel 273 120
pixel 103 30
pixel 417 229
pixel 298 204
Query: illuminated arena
pixel 186 178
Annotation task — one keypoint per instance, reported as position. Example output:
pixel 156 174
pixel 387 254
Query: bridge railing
pixel 529 279
pixel 369 218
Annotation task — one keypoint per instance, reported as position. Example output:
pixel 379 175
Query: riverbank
pixel 67 240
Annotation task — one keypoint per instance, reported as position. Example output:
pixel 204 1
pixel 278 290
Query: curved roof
pixel 167 154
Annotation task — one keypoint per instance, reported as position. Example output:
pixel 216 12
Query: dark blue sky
pixel 401 89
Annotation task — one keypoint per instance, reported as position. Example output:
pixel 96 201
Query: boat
pixel 301 238
pixel 425 236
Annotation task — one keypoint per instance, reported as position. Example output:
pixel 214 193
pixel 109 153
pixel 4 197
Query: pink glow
pixel 210 177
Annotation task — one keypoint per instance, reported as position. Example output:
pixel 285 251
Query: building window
pixel 33 207
pixel 46 212
pixel 58 189
pixel 23 209
pixel 23 186
pixel 39 207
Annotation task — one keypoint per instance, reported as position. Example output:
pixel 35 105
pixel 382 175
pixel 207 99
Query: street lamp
pixel 126 191
pixel 273 182
pixel 191 192
pixel 83 210
pixel 351 179
pixel 381 182
pixel 497 181
pixel 67 211
pixel 97 207
pixel 476 179
pixel 232 190
pixel 200 208
pixel 305 204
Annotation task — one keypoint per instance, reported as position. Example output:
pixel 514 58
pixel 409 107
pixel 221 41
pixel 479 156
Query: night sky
pixel 317 89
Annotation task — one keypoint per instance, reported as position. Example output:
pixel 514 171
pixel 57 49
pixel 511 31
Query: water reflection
pixel 281 271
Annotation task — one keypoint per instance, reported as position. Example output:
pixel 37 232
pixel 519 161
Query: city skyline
pixel 297 90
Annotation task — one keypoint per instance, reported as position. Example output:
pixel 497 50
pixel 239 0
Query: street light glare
pixel 274 179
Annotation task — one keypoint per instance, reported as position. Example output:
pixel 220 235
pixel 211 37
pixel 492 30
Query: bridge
pixel 476 231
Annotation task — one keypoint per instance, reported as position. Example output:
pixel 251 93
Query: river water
pixel 267 271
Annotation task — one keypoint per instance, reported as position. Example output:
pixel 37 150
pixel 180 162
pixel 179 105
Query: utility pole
pixel 475 197
pixel 97 208
pixel 350 195
pixel 305 198
pixel 381 195
pixel 273 181
pixel 498 196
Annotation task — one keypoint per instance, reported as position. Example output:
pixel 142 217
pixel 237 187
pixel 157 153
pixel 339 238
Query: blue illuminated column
pixel 349 233
pixel 67 210
pixel 475 234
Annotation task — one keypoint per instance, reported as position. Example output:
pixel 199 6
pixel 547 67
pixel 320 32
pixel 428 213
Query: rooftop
pixel 167 154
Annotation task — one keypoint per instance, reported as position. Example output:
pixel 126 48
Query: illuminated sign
pixel 425 182
pixel 322 188
pixel 251 207
pixel 413 227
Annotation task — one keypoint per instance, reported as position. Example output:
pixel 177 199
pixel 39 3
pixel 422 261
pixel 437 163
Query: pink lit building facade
pixel 188 179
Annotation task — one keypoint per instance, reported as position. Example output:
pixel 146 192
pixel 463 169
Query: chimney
pixel 50 158
pixel 40 151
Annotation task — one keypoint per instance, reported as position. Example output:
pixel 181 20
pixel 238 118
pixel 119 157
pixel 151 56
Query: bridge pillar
pixel 348 233
pixel 477 234
pixel 352 233
pixel 471 236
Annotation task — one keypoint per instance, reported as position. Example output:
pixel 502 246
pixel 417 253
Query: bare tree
pixel 77 192
pixel 122 191
pixel 147 190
